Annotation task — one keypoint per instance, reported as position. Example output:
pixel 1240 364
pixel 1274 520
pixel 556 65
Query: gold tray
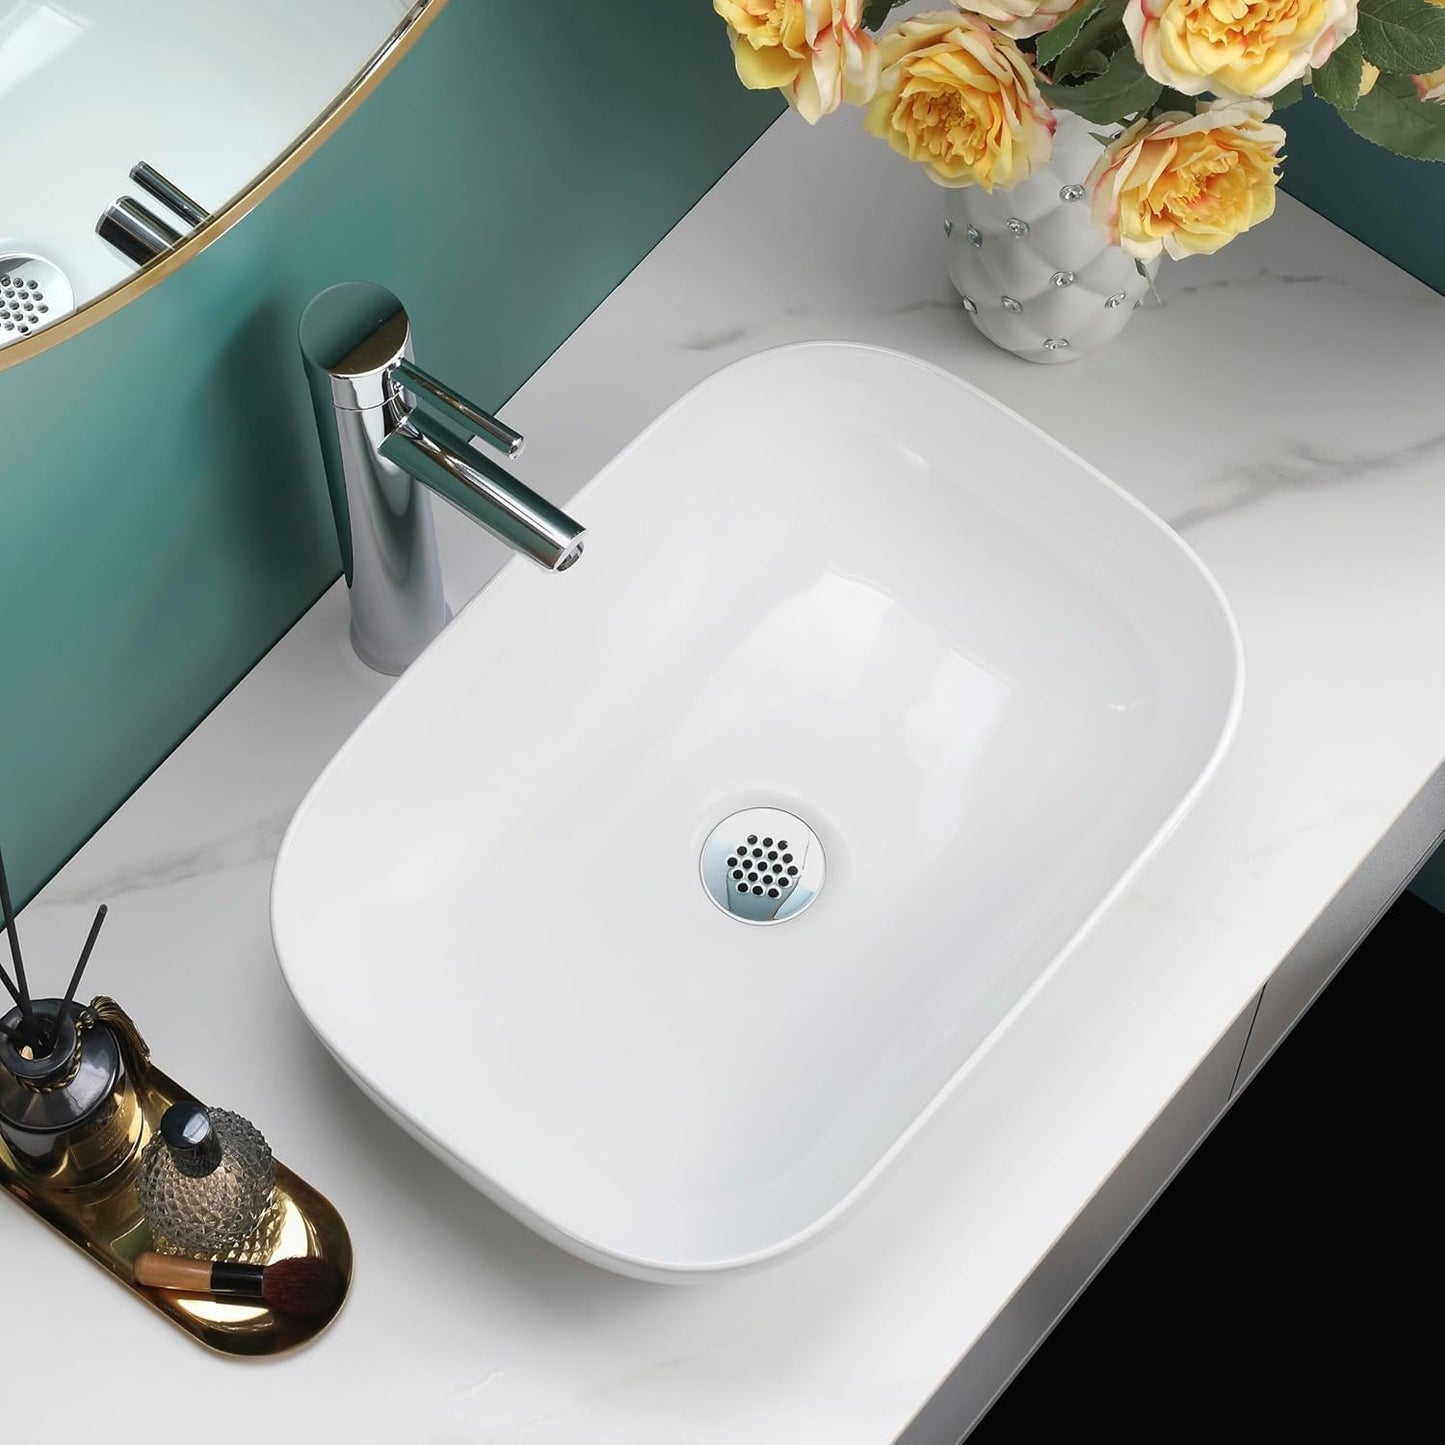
pixel 105 1221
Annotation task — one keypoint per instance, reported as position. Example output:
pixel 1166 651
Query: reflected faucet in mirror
pixel 227 99
pixel 386 425
pixel 136 231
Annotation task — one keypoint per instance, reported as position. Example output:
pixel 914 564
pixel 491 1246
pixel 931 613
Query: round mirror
pixel 135 133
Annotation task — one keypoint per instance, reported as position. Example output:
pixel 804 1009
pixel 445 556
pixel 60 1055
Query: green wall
pixel 1395 206
pixel 163 517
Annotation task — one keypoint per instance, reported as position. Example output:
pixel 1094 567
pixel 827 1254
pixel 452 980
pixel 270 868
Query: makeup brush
pixel 302 1286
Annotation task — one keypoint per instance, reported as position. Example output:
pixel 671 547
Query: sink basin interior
pixel 832 580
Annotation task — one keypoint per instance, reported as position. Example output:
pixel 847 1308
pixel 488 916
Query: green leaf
pixel 1289 95
pixel 1102 29
pixel 1052 42
pixel 1177 100
pixel 1338 79
pixel 1122 90
pixel 1393 116
pixel 1402 37
pixel 875 12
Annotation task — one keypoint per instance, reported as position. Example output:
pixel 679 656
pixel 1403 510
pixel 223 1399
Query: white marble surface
pixel 1281 410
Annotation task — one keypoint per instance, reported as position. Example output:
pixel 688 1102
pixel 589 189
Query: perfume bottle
pixel 206 1180
pixel 68 1110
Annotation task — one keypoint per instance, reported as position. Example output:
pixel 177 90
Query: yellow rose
pixel 1236 48
pixel 1431 86
pixel 815 51
pixel 1188 184
pixel 961 101
pixel 1369 74
pixel 1020 18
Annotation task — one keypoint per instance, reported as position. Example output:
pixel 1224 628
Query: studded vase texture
pixel 1036 275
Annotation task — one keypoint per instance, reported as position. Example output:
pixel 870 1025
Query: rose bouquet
pixel 1187 91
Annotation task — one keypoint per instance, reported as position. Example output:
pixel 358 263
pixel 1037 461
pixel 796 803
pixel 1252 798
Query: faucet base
pixel 390 666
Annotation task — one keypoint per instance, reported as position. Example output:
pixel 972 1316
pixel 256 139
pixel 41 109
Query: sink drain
pixel 33 293
pixel 762 865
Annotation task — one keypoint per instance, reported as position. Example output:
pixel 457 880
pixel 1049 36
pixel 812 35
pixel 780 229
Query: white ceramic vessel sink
pixel 834 581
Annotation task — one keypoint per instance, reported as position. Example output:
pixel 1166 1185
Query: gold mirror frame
pixel 107 303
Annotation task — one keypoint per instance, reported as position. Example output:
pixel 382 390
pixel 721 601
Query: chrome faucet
pixel 386 425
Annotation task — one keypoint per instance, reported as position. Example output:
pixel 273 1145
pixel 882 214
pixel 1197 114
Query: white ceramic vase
pixel 1036 275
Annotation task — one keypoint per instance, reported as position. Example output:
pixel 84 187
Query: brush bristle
pixel 303 1286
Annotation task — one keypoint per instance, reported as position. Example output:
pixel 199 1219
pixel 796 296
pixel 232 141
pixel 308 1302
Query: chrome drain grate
pixel 762 865
pixel 33 293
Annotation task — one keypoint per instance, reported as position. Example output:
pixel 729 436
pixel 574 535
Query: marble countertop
pixel 1280 410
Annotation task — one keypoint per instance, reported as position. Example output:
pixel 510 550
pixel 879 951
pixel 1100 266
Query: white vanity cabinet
pixel 1349 917
pixel 1083 1249
pixel 1182 1125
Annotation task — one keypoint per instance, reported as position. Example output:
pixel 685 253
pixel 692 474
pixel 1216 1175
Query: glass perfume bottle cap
pixel 187 1130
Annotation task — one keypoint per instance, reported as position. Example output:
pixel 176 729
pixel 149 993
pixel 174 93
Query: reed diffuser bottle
pixel 68 1112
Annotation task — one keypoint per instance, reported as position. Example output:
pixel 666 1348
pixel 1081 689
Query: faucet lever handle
pixel 456 409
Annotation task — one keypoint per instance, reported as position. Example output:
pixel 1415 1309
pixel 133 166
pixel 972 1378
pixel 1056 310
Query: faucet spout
pixel 442 457
pixel 386 425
